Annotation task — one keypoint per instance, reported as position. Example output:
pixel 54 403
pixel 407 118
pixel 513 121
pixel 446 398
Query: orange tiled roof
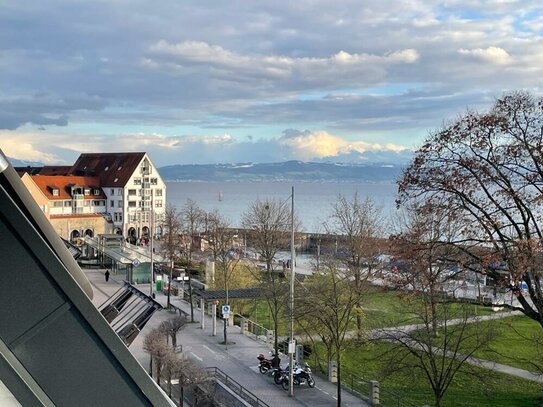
pixel 46 183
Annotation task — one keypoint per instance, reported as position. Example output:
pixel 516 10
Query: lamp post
pixel 292 343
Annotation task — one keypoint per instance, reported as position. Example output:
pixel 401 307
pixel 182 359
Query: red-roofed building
pixel 100 193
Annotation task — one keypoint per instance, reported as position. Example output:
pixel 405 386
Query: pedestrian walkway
pixel 238 360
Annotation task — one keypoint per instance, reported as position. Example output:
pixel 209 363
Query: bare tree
pixel 157 348
pixel 268 223
pixel 193 218
pixel 438 357
pixel 188 373
pixel 221 237
pixel 172 326
pixel 358 226
pixel 426 259
pixel 489 168
pixel 170 242
pixel 442 339
pixel 328 307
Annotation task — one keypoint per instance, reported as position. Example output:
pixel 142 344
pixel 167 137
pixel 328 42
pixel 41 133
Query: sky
pixel 200 82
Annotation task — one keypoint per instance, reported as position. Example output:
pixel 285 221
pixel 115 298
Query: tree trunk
pixel 169 382
pixel 151 365
pixel 158 372
pixel 174 340
pixel 181 393
pixel 338 380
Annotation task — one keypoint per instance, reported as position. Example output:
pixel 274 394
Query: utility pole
pixel 292 343
pixel 151 246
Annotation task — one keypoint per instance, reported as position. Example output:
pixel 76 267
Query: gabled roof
pixel 113 169
pixel 45 170
pixel 46 184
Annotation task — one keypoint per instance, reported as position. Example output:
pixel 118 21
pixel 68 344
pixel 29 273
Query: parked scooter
pixel 268 364
pixel 300 376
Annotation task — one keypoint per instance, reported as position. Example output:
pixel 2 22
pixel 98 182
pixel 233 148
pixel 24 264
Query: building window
pixel 96 192
pixel 132 192
pixel 87 191
pixel 58 204
pixel 120 217
pixel 120 192
pixel 154 181
pixel 56 192
pixel 111 192
pixel 119 204
pixel 112 204
pixel 137 181
pixel 67 203
pixel 158 192
pixel 115 217
pixel 132 204
pixel 158 203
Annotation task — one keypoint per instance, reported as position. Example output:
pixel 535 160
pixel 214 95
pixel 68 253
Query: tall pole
pixel 151 246
pixel 291 345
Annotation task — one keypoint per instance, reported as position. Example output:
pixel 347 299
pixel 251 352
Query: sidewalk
pixel 238 361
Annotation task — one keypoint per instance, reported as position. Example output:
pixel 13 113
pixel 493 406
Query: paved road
pixel 238 361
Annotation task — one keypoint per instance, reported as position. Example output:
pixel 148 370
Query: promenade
pixel 238 360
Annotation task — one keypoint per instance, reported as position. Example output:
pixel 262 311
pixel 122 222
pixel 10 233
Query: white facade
pixel 130 206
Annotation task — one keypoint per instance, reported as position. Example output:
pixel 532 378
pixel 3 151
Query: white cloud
pixel 493 55
pixel 314 145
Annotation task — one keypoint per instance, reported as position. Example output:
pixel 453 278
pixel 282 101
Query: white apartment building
pixel 135 192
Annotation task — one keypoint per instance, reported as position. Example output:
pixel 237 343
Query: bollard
pixel 214 317
pixel 270 338
pixel 203 309
pixel 332 371
pixel 374 393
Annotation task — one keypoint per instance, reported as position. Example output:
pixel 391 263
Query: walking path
pixel 238 361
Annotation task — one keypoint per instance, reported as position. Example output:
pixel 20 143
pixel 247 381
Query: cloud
pixel 493 55
pixel 203 149
pixel 307 145
pixel 282 71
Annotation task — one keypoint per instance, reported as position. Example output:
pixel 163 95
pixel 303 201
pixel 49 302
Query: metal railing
pixel 252 329
pixel 237 388
pixel 361 388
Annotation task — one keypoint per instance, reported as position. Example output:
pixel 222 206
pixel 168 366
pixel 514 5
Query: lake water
pixel 312 200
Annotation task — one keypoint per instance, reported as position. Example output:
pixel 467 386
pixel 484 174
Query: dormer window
pixel 87 191
pixel 107 168
pixel 96 192
pixel 55 191
pixel 116 179
pixel 120 168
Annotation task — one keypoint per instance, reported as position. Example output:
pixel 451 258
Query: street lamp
pixel 292 343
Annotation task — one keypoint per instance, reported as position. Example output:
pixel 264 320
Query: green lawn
pixel 517 341
pixel 388 308
pixel 478 388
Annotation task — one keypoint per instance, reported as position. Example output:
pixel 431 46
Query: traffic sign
pixel 135 263
pixel 225 309
pixel 226 316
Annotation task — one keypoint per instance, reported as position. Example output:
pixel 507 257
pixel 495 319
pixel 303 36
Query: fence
pixel 237 388
pixel 362 388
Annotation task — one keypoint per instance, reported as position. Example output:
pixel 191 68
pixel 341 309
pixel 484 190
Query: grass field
pixel 479 387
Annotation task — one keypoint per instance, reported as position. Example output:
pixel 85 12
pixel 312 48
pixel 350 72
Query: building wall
pixel 64 226
pixel 36 193
pixel 135 215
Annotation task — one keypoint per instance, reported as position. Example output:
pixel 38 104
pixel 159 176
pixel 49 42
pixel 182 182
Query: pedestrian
pixel 107 275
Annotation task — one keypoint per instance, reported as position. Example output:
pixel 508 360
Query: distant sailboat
pixel 220 196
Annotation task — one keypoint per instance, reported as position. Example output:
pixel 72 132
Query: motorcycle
pixel 300 376
pixel 267 364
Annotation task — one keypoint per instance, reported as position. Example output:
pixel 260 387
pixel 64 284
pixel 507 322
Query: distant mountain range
pixel 23 163
pixel 284 171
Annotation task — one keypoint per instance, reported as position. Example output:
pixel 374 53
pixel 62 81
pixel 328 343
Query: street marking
pixel 209 349
pixel 196 356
